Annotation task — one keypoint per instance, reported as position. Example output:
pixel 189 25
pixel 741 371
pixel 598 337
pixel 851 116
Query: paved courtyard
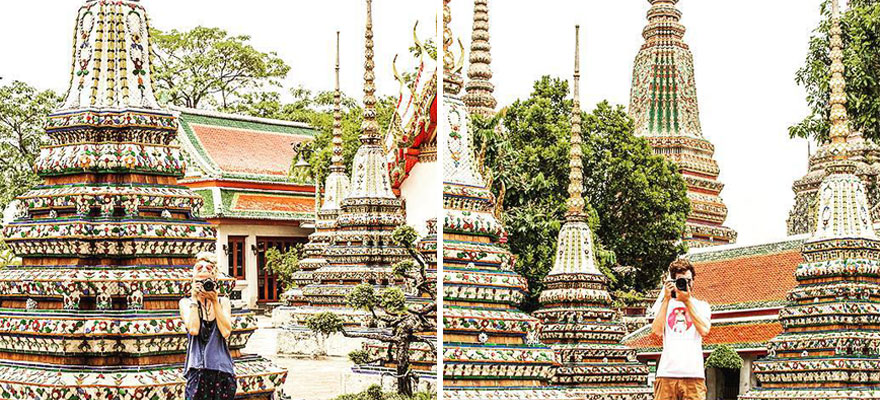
pixel 307 379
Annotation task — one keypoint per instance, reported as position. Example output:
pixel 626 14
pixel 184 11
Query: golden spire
pixel 479 98
pixel 337 162
pixel 839 120
pixel 369 128
pixel 576 172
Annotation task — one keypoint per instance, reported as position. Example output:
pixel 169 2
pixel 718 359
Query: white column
pixel 250 271
pixel 746 377
pixel 222 258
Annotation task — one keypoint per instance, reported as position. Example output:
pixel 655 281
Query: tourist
pixel 208 319
pixel 682 321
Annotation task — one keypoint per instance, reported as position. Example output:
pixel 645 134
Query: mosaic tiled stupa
pixel 865 154
pixel 830 344
pixel 107 241
pixel 663 103
pixel 361 250
pixel 578 322
pixel 336 188
pixel 489 343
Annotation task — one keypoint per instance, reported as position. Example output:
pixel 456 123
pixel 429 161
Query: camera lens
pixel 681 284
pixel 208 285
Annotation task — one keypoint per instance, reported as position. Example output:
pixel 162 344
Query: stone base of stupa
pixel 551 393
pixel 257 378
pixel 361 377
pixel 812 394
pixel 301 341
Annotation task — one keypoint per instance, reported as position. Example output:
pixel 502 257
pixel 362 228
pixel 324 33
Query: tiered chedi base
pixel 866 156
pixel 106 245
pixel 830 345
pixel 693 156
pixel 585 334
pixel 488 342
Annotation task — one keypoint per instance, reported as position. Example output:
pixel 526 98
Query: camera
pixel 208 285
pixel 680 284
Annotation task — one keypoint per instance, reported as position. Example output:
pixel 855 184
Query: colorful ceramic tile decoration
pixel 107 241
pixel 366 212
pixel 489 344
pixel 663 104
pixel 479 88
pixel 865 154
pixel 829 347
pixel 578 323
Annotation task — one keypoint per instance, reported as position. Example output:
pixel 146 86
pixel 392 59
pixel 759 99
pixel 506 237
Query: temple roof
pixel 742 335
pixel 236 147
pixel 239 165
pixel 738 277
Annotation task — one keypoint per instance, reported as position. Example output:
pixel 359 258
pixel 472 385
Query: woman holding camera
pixel 208 320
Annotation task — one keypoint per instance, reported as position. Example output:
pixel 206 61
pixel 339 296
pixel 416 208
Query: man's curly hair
pixel 681 265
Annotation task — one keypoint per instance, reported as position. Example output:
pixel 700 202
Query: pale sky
pixel 38 34
pixel 746 54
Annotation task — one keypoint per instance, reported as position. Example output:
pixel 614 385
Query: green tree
pixel 207 66
pixel 23 115
pixel 725 357
pixel 861 57
pixel 637 200
pixel 284 264
pixel 401 321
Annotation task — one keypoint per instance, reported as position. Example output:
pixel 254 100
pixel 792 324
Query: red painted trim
pixel 306 189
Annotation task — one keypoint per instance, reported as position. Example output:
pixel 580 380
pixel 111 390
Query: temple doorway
pixel 724 385
pixel 267 283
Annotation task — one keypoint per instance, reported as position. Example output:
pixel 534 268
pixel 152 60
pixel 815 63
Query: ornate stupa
pixel 336 188
pixel 578 322
pixel 830 344
pixel 865 154
pixel 479 88
pixel 663 103
pixel 361 249
pixel 108 240
pixel 489 343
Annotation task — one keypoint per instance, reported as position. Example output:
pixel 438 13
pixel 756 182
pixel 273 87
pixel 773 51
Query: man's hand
pixel 668 288
pixel 684 297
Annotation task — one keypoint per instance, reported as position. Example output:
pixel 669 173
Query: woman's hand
pixel 212 297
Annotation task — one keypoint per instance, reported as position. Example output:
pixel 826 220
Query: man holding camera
pixel 682 321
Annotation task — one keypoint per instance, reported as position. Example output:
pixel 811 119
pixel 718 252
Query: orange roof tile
pixel 747 279
pixel 248 151
pixel 729 334
pixel 262 202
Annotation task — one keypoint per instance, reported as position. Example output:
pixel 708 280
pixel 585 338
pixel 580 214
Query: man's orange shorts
pixel 680 389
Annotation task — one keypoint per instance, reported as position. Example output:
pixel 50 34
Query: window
pixel 236 256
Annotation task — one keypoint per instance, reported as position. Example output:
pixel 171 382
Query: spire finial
pixel 576 172
pixel 336 160
pixel 839 119
pixel 369 128
pixel 479 98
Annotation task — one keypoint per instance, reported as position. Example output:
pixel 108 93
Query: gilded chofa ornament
pixel 107 241
pixel 829 347
pixel 663 103
pixel 578 322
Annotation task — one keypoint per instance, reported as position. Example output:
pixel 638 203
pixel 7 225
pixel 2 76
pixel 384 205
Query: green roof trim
pixel 232 122
pixel 745 251
pixel 226 211
pixel 208 206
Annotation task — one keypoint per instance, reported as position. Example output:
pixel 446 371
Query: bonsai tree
pixel 401 320
pixel 724 357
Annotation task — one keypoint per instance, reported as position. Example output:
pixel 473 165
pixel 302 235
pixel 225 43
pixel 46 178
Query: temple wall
pixel 422 195
pixel 248 287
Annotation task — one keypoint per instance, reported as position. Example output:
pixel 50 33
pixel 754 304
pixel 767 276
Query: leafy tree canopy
pixel 724 357
pixel 638 201
pixel 861 57
pixel 209 67
pixel 23 114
